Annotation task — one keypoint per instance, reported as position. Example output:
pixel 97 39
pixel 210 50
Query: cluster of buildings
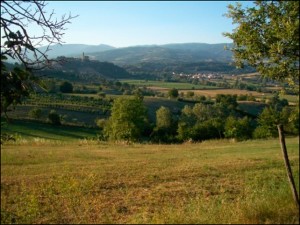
pixel 199 76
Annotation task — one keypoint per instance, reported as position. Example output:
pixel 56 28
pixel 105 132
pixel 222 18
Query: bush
pixel 66 87
pixel 267 120
pixel 35 113
pixel 54 118
pixel 190 94
pixel 102 94
pixel 173 93
pixel 239 129
pixel 262 132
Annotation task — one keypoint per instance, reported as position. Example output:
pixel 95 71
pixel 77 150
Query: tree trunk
pixel 287 164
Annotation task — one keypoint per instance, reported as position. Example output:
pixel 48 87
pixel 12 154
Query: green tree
pixel 186 122
pixel 267 38
pixel 173 93
pixel 267 120
pixel 163 118
pixel 239 129
pixel 66 87
pixel 200 122
pixel 15 85
pixel 127 120
pixel 190 94
pixel 54 117
pixel 35 113
pixel 230 101
pixel 165 129
pixel 203 112
pixel 276 103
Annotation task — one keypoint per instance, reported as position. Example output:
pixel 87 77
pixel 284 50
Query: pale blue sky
pixel 129 23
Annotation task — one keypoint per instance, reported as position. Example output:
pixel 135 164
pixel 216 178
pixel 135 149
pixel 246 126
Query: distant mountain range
pixel 148 61
pixel 74 50
pixel 169 53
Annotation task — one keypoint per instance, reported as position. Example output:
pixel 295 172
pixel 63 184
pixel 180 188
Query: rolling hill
pixel 74 49
pixel 169 53
pixel 74 69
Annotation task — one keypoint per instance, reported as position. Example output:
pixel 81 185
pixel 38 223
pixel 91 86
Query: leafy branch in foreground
pixel 18 19
pixel 267 38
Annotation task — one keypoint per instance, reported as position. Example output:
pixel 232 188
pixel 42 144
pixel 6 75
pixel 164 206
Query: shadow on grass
pixel 47 131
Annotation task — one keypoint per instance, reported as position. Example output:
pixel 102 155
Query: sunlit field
pixel 90 182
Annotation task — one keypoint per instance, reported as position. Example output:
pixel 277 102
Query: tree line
pixel 129 121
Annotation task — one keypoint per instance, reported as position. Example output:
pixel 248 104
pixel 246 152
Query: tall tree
pixel 127 120
pixel 163 118
pixel 267 38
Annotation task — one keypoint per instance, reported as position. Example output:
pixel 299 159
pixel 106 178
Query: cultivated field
pixel 164 85
pixel 90 182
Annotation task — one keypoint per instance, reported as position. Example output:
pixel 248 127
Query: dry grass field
pixel 46 181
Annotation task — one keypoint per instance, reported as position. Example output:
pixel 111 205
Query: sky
pixel 130 23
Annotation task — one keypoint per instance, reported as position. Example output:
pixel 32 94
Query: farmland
pixel 161 84
pixel 66 173
pixel 97 182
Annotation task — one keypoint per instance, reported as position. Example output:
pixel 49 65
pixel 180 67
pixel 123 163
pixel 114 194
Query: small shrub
pixel 66 87
pixel 7 137
pixel 102 94
pixel 35 113
pixel 54 118
pixel 173 93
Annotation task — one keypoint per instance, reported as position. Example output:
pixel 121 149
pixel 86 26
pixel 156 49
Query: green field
pixel 35 130
pixel 163 84
pixel 90 182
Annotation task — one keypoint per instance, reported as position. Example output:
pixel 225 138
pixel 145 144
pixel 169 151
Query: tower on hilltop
pixel 84 57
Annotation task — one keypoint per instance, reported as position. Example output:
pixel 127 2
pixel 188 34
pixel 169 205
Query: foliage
pixel 15 85
pixel 267 120
pixel 209 129
pixel 66 87
pixel 54 118
pixel 276 103
pixel 74 69
pixel 165 126
pixel 294 119
pixel 163 118
pixel 227 100
pixel 173 93
pixel 239 129
pixel 200 122
pixel 35 113
pixel 18 43
pixel 4 137
pixel 267 38
pixel 128 116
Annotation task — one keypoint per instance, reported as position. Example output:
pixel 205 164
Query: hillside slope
pixel 74 49
pixel 74 69
pixel 170 53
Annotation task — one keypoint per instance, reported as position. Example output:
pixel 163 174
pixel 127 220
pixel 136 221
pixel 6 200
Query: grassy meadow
pixel 94 182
